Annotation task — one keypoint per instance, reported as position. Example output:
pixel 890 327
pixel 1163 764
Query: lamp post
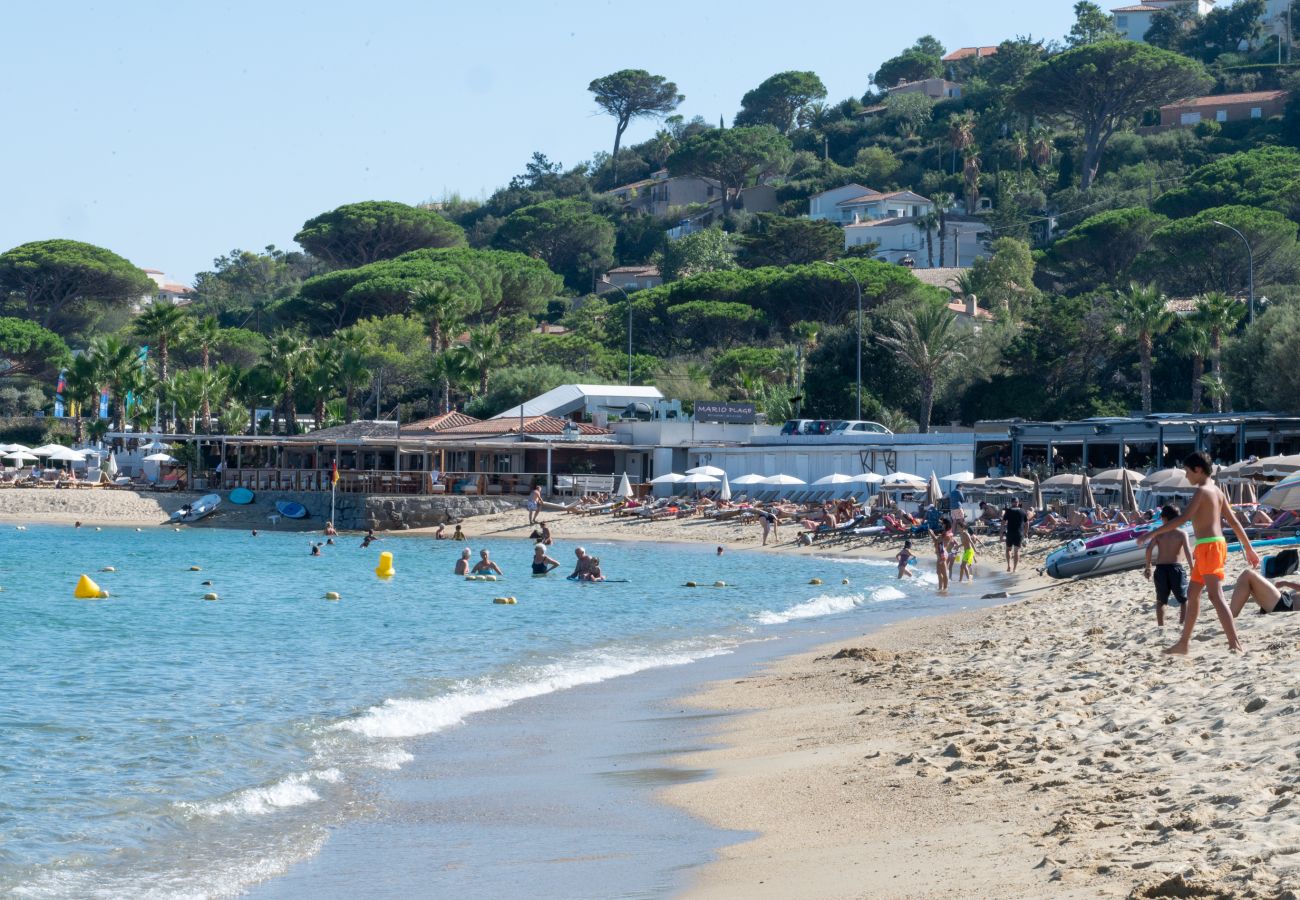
pixel 608 283
pixel 1250 259
pixel 858 285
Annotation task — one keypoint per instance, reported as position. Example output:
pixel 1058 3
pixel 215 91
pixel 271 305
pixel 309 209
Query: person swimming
pixel 315 549
pixel 485 566
pixel 369 539
pixel 543 564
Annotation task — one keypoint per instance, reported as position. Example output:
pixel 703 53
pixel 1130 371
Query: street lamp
pixel 857 284
pixel 1250 258
pixel 608 283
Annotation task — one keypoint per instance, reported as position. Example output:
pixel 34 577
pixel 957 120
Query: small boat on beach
pixel 290 510
pixel 241 496
pixel 1118 551
pixel 192 512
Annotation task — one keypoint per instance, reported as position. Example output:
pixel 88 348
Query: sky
pixel 172 133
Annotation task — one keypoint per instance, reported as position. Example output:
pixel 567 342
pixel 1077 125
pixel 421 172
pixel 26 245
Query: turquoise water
pixel 155 743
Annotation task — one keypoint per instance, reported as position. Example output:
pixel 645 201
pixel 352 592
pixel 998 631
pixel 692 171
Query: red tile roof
pixel 1221 99
pixel 967 52
pixel 959 307
pixel 532 425
pixel 442 422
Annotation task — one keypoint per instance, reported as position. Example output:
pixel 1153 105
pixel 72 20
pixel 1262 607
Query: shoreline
pixel 1044 747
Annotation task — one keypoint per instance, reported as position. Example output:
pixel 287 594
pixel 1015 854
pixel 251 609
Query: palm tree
pixel 1193 340
pixel 1040 146
pixel 928 341
pixel 970 174
pixel 943 202
pixel 163 326
pixel 1143 315
pixel 1220 314
pixel 322 377
pixel 929 222
pixel 206 334
pixel 80 388
pixel 897 421
pixel 287 361
pixel 1217 389
pixel 1019 150
pixel 805 335
pixel 482 353
pixel 117 368
pixel 961 134
pixel 443 309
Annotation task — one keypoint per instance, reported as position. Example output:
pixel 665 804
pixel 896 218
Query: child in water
pixel 905 558
pixel 940 540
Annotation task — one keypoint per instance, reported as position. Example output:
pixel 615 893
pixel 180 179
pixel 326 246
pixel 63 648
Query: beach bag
pixel 1280 564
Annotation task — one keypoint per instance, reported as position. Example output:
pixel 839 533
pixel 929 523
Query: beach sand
pixel 54 506
pixel 1041 749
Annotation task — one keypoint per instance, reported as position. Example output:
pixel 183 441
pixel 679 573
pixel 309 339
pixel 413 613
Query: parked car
pixel 796 426
pixel 859 426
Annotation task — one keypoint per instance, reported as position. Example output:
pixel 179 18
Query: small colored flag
pixel 334 472
pixel 58 395
pixel 103 403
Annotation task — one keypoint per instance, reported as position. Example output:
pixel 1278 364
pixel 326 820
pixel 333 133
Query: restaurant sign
pixel 713 411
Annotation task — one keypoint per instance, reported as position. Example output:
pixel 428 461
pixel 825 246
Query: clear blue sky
pixel 174 132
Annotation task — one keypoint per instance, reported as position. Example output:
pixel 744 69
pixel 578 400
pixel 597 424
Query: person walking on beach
pixel 967 550
pixel 1170 578
pixel 534 504
pixel 1206 512
pixel 543 564
pixel 940 558
pixel 905 558
pixel 1014 525
pixel 462 564
pixel 485 566
pixel 768 521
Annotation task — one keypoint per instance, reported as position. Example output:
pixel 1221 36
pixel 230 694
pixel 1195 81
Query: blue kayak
pixel 290 510
pixel 241 496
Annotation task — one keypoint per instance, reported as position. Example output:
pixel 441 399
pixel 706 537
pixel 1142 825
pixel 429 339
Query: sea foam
pixel 828 605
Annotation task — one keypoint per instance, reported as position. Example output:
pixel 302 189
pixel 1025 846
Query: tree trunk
pixel 929 245
pixel 1198 370
pixel 927 404
pixel 482 381
pixel 1144 354
pixel 618 139
pixel 1091 160
pixel 446 394
pixel 207 403
pixel 348 396
pixel 943 230
pixel 1216 366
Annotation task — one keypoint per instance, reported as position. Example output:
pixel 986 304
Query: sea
pixel 413 737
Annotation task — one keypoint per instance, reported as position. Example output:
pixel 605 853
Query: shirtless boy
pixel 1206 512
pixel 1170 576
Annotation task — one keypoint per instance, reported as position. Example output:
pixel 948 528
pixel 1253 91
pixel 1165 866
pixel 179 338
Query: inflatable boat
pixel 1118 551
pixel 192 512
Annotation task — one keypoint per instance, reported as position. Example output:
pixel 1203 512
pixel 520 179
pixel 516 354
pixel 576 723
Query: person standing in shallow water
pixel 1015 522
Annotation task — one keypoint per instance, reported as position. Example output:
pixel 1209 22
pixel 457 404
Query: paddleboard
pixel 291 510
pixel 241 496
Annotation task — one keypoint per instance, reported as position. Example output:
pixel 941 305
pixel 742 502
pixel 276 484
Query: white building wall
pixel 824 205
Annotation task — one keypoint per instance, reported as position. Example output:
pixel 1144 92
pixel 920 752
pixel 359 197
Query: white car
pixel 858 426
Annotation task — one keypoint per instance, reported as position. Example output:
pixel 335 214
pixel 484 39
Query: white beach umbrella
pixel 959 477
pixel 903 478
pixel 20 455
pixel 1166 480
pixel 783 480
pixel 752 478
pixel 10 448
pixel 1272 466
pixel 725 493
pixel 111 466
pixel 1011 483
pixel 933 493
pixel 1062 482
pixel 668 478
pixel 699 478
pixel 1115 477
pixel 624 487
pixel 47 449
pixel 64 454
pixel 1284 495
pixel 706 470
pixel 156 444
pixel 837 478
pixel 159 458
pixel 868 478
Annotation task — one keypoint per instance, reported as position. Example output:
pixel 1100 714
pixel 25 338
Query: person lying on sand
pixel 1208 509
pixel 1170 576
pixel 1272 596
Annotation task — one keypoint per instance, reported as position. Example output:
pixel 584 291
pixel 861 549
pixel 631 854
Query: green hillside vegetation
pixel 1097 219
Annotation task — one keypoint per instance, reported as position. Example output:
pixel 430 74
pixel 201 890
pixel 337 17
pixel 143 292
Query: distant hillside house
pixel 1223 108
pixel 1133 21
pixel 630 278
pixel 934 88
pixel 902 240
pixel 664 196
pixel 964 53
pixel 165 291
pixel 855 203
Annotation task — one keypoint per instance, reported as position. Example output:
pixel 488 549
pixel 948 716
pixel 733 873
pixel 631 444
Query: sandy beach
pixel 1043 748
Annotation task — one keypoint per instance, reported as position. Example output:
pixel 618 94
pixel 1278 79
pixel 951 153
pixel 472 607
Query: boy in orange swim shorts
pixel 1206 512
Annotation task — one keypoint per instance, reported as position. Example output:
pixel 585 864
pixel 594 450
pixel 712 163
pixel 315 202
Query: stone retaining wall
pixel 393 513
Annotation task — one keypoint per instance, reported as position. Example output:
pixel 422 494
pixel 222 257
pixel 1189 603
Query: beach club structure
pixel 582 439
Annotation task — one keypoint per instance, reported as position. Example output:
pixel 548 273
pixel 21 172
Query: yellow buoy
pixel 108 569
pixel 86 589
pixel 385 568
pixel 508 601
pixel 719 584
pixel 195 569
pixel 332 595
pixel 211 597
pixel 814 581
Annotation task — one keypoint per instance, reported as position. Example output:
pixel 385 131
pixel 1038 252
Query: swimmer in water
pixel 368 539
pixel 329 530
pixel 462 564
pixel 315 549
pixel 593 572
pixel 458 535
pixel 542 564
pixel 485 566
pixel 254 532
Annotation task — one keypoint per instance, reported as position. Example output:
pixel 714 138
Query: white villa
pixel 1133 21
pixel 855 203
pixel 892 221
